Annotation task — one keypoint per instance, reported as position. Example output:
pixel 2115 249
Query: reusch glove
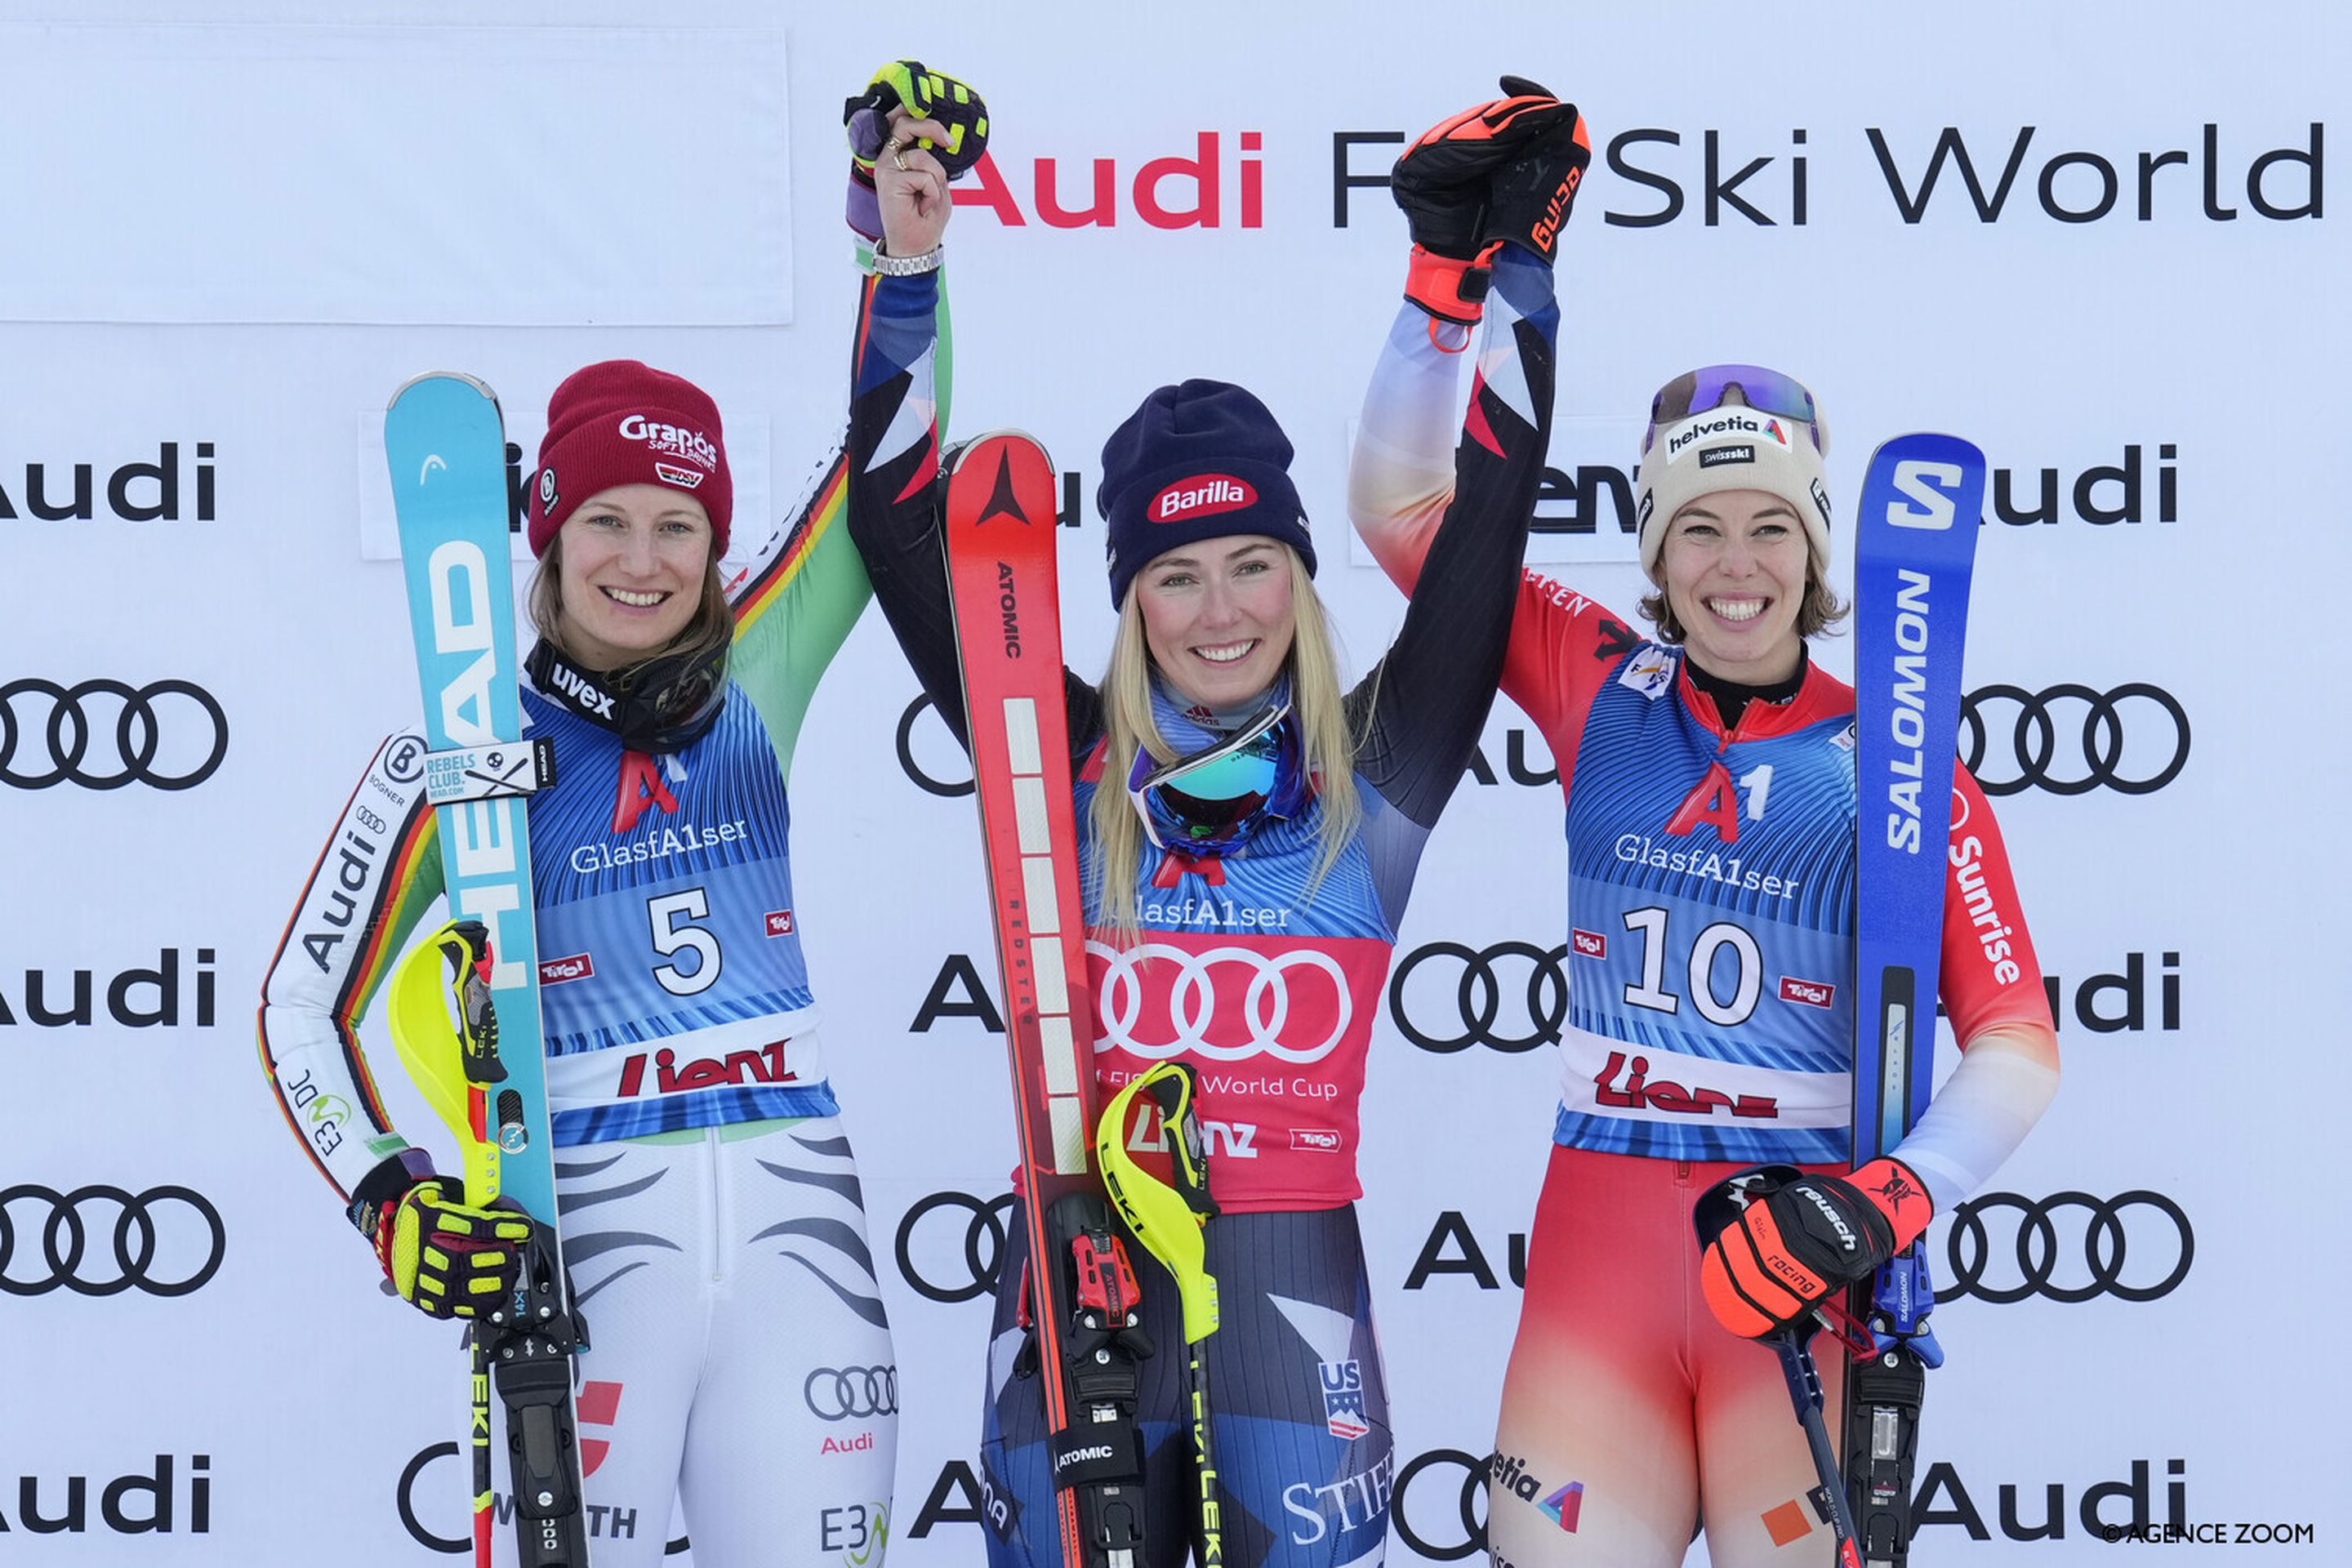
pixel 1528 198
pixel 1776 1241
pixel 927 95
pixel 447 1259
pixel 1444 184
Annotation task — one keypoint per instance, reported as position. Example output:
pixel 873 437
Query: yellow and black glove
pixel 447 1259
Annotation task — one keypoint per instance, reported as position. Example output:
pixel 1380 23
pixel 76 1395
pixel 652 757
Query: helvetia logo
pixel 1201 495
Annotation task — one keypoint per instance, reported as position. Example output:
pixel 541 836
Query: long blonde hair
pixel 1327 747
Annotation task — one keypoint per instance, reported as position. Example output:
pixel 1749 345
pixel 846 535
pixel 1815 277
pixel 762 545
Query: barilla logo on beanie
pixel 1201 495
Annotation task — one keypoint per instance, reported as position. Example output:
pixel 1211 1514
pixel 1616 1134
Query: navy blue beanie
pixel 1196 461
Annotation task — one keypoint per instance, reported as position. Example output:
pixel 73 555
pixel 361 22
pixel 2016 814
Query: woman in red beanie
pixel 711 1212
pixel 1248 837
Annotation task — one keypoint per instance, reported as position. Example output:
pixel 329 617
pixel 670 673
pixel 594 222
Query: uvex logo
pixel 1201 495
pixel 556 971
pixel 1813 994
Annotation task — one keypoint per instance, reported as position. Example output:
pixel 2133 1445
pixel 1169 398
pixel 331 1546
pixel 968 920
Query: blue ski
pixel 1915 549
pixel 446 446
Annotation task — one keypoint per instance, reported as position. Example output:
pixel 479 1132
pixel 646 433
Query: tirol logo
pixel 556 971
pixel 1811 992
pixel 779 923
pixel 673 440
pixel 1589 943
pixel 1343 1399
pixel 1201 494
pixel 1315 1139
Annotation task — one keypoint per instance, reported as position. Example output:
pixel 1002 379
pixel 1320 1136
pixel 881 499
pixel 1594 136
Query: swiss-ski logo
pixel 1201 494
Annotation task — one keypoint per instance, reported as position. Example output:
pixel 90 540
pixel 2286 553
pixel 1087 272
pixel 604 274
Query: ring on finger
pixel 899 160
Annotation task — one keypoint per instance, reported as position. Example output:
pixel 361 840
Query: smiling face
pixel 1735 568
pixel 1218 616
pixel 634 558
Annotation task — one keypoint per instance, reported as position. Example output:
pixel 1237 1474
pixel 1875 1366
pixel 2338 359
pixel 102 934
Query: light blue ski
pixel 446 446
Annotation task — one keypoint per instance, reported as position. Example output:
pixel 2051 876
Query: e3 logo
pixel 1932 486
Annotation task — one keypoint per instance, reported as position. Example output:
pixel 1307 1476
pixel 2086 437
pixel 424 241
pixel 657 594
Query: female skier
pixel 1244 925
pixel 710 1208
pixel 1630 1413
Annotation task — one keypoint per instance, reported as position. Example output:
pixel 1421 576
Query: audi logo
pixel 104 734
pixel 851 1392
pixel 2042 745
pixel 1195 1006
pixel 1538 998
pixel 982 1252
pixel 64 1223
pixel 1458 1530
pixel 2045 1262
pixel 914 770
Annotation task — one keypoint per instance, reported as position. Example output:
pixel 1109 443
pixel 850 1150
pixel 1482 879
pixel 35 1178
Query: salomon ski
pixel 1000 541
pixel 446 446
pixel 1914 547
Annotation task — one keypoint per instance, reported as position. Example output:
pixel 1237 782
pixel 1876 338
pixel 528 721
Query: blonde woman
pixel 1248 837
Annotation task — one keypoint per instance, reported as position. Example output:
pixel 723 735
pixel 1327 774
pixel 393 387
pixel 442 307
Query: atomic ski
pixel 1914 548
pixel 1081 1297
pixel 446 446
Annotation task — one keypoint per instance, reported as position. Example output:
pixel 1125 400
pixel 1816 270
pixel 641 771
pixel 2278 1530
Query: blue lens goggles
pixel 1766 391
pixel 1213 798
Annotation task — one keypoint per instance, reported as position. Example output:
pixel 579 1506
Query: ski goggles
pixel 1700 391
pixel 1213 798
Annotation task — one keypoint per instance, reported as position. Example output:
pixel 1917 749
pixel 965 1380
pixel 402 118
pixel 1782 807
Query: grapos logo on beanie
pixel 623 423
pixel 1200 496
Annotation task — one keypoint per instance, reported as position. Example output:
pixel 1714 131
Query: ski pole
pixel 441 996
pixel 1714 1212
pixel 1170 1218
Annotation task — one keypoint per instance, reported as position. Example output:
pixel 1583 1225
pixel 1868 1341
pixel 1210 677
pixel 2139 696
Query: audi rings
pixel 1226 1024
pixel 43 746
pixel 64 1223
pixel 851 1392
pixel 2034 739
pixel 1479 993
pixel 1416 1535
pixel 2164 1230
pixel 983 1246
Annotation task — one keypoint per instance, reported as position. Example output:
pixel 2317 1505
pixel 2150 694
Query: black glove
pixel 927 95
pixel 1778 1241
pixel 446 1259
pixel 1527 200
pixel 1446 182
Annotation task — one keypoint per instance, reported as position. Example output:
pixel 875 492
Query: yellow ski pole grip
pixel 1166 1218
pixel 448 1037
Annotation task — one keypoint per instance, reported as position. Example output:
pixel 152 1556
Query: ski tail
pixel 1915 552
pixel 999 533
pixel 445 444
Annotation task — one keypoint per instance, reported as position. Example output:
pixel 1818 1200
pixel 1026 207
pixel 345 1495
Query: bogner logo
pixel 1201 495
pixel 678 442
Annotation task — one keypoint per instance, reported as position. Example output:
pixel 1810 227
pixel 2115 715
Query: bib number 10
pixel 1650 991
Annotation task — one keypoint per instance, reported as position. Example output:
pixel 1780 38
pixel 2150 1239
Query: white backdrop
pixel 228 238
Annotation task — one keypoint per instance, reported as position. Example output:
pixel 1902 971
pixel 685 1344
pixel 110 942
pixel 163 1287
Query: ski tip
pixel 1004 474
pixel 450 380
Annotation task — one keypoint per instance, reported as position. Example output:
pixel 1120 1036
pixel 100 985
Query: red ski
pixel 1000 521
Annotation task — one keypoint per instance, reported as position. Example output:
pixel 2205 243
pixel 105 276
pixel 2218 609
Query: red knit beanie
pixel 623 423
